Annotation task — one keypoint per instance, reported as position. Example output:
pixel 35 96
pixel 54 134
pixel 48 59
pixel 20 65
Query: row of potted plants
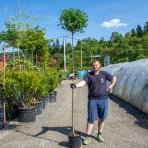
pixel 25 90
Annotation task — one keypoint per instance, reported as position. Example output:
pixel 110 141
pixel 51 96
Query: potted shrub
pixel 40 90
pixel 20 92
pixel 52 83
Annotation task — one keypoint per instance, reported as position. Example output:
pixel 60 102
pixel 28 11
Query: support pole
pixel 73 133
pixel 91 57
pixel 73 62
pixel 72 89
pixel 81 58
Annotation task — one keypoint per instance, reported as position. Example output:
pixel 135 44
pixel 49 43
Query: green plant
pixel 39 85
pixel 73 20
pixel 53 77
pixel 19 88
pixel 24 88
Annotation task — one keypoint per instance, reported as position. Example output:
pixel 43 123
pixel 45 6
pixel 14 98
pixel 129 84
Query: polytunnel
pixel 132 82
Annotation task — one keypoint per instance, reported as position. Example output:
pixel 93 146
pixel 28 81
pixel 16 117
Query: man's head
pixel 95 65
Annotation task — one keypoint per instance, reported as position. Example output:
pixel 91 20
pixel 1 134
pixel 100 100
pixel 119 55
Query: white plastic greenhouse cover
pixel 132 82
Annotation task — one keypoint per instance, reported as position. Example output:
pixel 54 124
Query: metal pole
pixel 81 58
pixel 72 89
pixel 4 78
pixel 64 55
pixel 72 57
pixel 73 133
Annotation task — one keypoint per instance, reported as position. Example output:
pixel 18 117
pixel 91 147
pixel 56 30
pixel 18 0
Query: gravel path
pixel 126 126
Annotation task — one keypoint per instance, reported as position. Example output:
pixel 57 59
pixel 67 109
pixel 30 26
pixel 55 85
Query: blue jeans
pixel 97 109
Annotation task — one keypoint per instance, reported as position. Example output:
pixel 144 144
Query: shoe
pixel 100 138
pixel 86 140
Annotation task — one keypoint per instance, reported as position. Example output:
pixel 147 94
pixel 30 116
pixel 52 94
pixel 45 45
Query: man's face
pixel 96 66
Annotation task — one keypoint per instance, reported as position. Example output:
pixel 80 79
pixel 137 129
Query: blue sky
pixel 105 16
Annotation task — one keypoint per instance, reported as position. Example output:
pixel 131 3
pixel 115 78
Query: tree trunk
pixel 72 55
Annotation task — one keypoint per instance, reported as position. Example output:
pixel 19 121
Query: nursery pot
pixel 55 92
pixel 27 114
pixel 74 140
pixel 53 97
pixel 39 107
pixel 46 101
pixel 47 98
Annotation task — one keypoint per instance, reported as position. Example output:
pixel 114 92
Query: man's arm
pixel 112 83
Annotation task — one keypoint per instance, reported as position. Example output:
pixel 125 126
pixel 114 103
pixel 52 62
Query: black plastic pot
pixel 47 98
pixel 52 97
pixel 74 140
pixel 55 92
pixel 27 114
pixel 46 101
pixel 39 107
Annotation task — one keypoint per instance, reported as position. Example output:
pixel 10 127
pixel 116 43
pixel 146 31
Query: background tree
pixel 73 20
pixel 90 47
pixel 133 33
pixel 146 27
pixel 145 42
pixel 139 31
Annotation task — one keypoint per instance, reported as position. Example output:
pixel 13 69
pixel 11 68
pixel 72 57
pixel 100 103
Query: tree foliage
pixel 73 20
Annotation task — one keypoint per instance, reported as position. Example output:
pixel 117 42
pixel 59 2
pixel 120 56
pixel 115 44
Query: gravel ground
pixel 126 126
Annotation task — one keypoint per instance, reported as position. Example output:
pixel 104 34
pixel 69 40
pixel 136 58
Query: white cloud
pixel 113 23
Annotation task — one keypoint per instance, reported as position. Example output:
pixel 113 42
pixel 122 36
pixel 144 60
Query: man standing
pixel 97 98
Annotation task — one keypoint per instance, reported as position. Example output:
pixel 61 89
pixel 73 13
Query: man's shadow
pixel 64 130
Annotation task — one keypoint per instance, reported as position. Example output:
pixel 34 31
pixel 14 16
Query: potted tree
pixel 73 20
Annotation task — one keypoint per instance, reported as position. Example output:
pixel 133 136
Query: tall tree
pixel 139 31
pixel 73 20
pixel 146 27
pixel 145 42
pixel 133 32
pixel 115 36
pixel 57 44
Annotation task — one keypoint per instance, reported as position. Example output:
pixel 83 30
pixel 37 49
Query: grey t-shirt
pixel 97 84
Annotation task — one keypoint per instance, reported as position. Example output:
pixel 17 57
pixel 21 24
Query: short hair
pixel 94 61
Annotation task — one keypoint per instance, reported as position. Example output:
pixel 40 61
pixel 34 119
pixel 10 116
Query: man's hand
pixel 73 86
pixel 109 89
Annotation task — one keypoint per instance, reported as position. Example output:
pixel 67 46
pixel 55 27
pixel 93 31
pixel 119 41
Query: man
pixel 97 98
